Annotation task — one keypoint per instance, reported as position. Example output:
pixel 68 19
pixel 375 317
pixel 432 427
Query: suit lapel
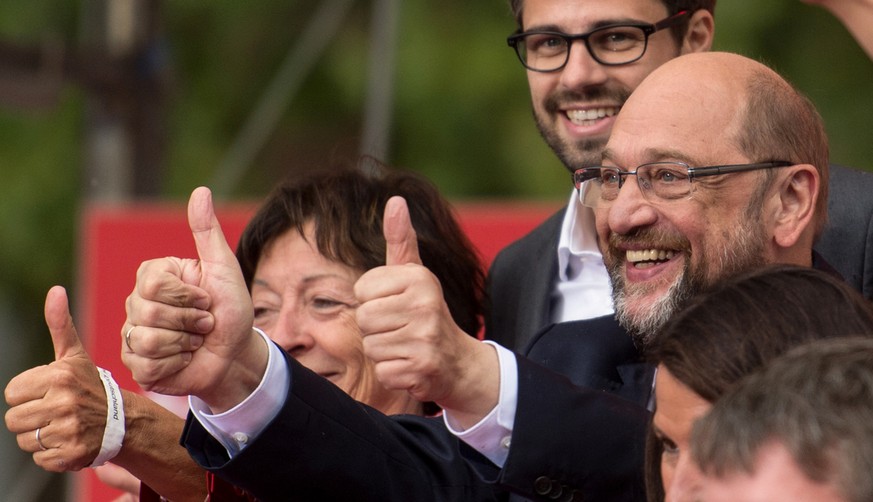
pixel 539 279
pixel 595 353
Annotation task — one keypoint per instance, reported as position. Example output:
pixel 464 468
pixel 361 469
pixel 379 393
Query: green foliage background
pixel 461 107
pixel 461 112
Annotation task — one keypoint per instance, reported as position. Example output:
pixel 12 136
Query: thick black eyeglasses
pixel 610 45
pixel 658 181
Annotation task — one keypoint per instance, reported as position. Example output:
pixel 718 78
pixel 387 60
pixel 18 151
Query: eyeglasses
pixel 611 45
pixel 658 181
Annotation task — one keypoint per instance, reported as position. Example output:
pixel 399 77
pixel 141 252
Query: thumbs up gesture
pixel 64 399
pixel 189 322
pixel 409 332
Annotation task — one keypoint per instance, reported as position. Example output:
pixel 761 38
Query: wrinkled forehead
pixel 695 117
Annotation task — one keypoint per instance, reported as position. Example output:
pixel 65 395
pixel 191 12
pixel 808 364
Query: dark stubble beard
pixel 744 251
pixel 584 152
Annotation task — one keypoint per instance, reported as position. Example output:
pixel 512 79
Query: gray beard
pixel 644 328
pixel 745 252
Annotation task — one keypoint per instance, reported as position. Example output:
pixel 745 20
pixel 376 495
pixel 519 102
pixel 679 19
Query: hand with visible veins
pixel 410 335
pixel 65 398
pixel 67 401
pixel 192 320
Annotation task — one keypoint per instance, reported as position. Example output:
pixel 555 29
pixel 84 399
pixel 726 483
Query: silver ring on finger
pixel 38 442
pixel 127 338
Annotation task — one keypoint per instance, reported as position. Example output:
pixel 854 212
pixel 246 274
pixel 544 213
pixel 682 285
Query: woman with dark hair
pixel 301 255
pixel 339 215
pixel 726 334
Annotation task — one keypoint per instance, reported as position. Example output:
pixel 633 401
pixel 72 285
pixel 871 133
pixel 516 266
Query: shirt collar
pixel 578 237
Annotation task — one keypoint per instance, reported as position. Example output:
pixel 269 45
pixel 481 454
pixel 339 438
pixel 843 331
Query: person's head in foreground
pixel 313 238
pixel 583 60
pixel 716 165
pixel 726 334
pixel 799 430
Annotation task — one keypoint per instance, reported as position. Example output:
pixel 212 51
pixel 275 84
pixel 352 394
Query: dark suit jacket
pixel 562 383
pixel 520 285
pixel 580 426
pixel 847 241
pixel 324 445
pixel 576 437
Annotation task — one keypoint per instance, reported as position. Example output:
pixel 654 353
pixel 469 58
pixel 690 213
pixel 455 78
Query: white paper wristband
pixel 113 434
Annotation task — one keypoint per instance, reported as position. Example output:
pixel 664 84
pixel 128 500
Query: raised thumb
pixel 401 243
pixel 208 238
pixel 60 323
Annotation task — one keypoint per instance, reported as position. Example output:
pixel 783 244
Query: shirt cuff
pixel 236 427
pixel 492 435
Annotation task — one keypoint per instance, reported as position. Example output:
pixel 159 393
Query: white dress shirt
pixel 582 291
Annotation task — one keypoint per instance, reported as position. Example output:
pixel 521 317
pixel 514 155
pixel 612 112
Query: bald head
pixel 707 72
pixel 722 105
pixel 668 236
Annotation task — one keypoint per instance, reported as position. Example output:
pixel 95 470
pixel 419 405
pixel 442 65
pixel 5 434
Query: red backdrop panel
pixel 114 240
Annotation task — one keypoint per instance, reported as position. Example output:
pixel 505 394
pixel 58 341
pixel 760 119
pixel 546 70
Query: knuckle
pixel 81 455
pixel 60 464
pixel 146 344
pixel 63 377
pixel 178 296
pixel 64 408
pixel 11 395
pixel 143 373
pixel 149 285
pixel 128 303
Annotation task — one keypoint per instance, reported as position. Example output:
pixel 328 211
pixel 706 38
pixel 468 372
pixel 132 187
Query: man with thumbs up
pixel 248 428
pixel 755 197
pixel 302 287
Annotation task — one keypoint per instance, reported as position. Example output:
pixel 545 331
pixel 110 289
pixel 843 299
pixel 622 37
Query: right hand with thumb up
pixel 189 321
pixel 409 332
pixel 65 399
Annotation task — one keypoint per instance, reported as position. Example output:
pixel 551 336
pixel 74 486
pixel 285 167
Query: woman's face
pixel 306 303
pixel 676 409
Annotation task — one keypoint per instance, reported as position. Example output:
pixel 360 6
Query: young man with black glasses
pixel 583 60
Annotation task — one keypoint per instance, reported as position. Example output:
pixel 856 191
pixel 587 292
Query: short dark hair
pixel 816 401
pixel 744 322
pixel 346 207
pixel 673 7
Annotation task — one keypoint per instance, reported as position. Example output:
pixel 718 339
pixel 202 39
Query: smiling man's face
pixel 661 253
pixel 575 107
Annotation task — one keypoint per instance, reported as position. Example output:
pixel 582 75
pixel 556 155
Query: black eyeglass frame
pixel 517 38
pixel 585 174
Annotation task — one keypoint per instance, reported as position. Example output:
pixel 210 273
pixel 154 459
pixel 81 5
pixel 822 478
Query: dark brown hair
pixel 746 321
pixel 816 401
pixel 346 207
pixel 673 7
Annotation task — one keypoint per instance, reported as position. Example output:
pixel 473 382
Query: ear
pixel 701 30
pixel 794 218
